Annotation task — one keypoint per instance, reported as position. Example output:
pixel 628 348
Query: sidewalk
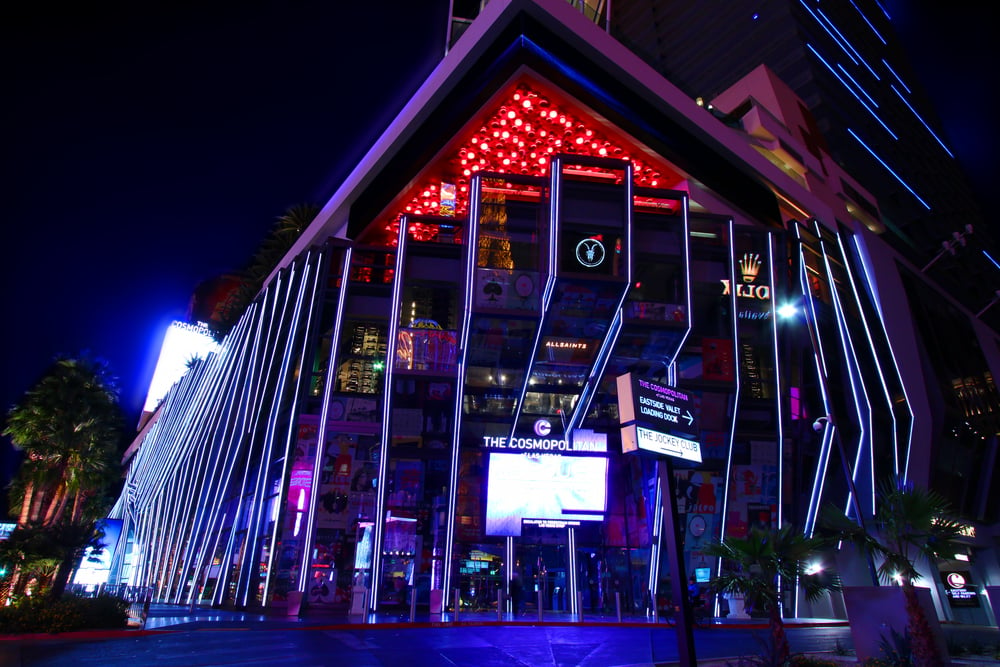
pixel 179 636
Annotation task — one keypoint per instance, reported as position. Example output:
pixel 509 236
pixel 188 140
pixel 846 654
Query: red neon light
pixel 519 137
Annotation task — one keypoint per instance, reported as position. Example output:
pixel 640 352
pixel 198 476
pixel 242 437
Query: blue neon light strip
pixel 849 45
pixel 822 24
pixel 889 169
pixel 928 127
pixel 390 364
pixel 736 402
pixel 897 77
pixel 870 25
pixel 990 257
pixel 292 372
pixel 472 246
pixel 778 393
pixel 687 281
pixel 850 365
pixel 846 86
pixel 860 88
pixel 611 337
pixel 880 366
pixel 810 311
pixel 329 382
pixel 886 394
pixel 555 175
pixel 892 352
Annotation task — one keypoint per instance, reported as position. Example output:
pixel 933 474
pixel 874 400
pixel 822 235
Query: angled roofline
pixel 511 33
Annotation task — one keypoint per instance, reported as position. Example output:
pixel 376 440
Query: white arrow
pixel 689 417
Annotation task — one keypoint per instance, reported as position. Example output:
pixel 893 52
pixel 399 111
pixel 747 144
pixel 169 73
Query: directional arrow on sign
pixel 689 417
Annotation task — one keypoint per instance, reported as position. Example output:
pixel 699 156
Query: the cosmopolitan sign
pixel 583 440
pixel 656 418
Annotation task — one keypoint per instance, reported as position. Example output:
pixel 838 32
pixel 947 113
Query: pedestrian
pixel 516 593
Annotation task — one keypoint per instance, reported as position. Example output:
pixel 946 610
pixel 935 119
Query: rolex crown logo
pixel 750 267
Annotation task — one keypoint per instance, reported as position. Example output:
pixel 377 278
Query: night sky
pixel 150 146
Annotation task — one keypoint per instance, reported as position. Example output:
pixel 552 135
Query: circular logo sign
pixel 590 253
pixel 542 427
pixel 956 580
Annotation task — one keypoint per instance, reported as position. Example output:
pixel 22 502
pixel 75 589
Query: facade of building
pixel 429 394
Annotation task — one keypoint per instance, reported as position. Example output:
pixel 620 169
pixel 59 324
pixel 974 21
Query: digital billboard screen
pixel 544 487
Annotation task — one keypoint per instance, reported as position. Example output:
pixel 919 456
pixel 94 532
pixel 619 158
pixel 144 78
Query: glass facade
pixel 429 412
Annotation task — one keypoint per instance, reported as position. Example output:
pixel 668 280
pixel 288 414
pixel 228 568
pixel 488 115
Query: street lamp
pixel 950 246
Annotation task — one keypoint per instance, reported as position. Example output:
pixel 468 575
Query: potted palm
pixel 910 524
pixel 761 565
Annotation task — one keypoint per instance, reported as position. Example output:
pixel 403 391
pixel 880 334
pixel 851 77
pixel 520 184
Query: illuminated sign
pixel 557 489
pixel 958 589
pixel 636 438
pixel 590 253
pixel 655 418
pixel 567 344
pixel 658 406
pixel 561 350
pixel 749 270
pixel 583 440
pixel 181 343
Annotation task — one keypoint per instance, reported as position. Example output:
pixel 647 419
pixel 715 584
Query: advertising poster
pixel 407 486
pixel 339 467
pixel 717 360
pixel 698 491
pixel 507 289
pixel 753 492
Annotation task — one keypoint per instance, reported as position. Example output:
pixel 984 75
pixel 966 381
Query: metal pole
pixel 579 606
pixel 500 605
pixel 540 610
pixel 618 605
pixel 413 604
pixel 675 557
pixel 458 602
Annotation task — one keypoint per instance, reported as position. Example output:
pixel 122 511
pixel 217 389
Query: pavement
pixel 180 636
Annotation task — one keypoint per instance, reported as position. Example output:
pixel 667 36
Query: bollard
pixel 458 602
pixel 540 611
pixel 500 605
pixel 618 605
pixel 413 604
pixel 579 607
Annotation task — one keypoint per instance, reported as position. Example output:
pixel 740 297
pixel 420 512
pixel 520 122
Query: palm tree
pixel 283 234
pixel 70 427
pixel 764 563
pixel 909 524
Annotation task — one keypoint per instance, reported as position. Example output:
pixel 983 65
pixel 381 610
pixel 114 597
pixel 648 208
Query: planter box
pixel 873 612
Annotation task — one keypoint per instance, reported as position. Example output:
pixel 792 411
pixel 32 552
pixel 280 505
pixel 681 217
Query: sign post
pixel 683 614
pixel 659 419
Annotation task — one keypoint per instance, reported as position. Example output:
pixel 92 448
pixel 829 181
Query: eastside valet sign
pixel 657 418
